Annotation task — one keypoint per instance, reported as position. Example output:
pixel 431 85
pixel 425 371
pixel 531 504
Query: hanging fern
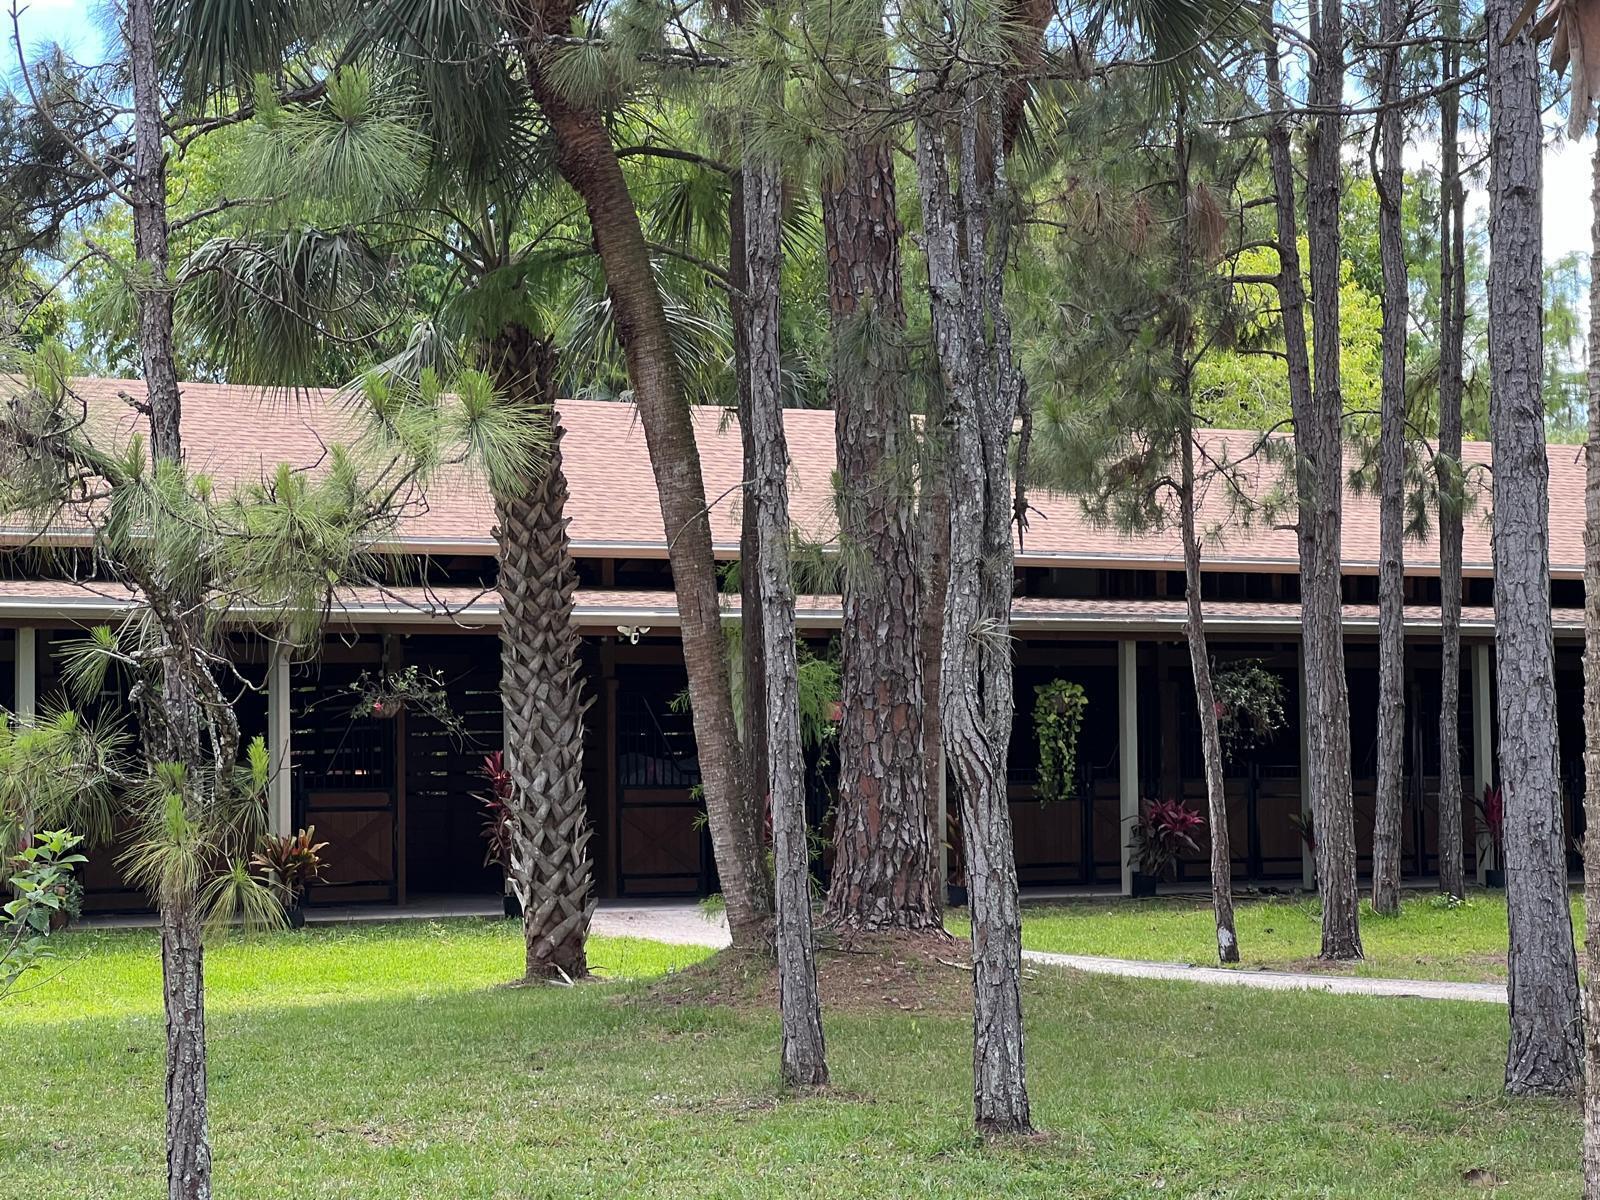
pixel 1250 706
pixel 1057 718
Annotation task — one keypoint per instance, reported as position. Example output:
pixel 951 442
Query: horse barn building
pixel 396 799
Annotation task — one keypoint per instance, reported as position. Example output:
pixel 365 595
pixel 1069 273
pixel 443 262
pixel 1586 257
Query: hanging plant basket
pixel 385 695
pixel 1058 709
pixel 1249 706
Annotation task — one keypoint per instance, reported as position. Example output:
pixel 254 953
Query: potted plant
pixel 1164 830
pixel 291 864
pixel 496 830
pixel 1492 812
pixel 955 885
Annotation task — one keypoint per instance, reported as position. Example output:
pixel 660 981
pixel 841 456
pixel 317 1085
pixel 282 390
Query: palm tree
pixel 587 159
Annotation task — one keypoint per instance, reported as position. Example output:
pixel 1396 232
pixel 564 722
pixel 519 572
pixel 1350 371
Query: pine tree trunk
pixel 587 159
pixel 170 728
pixel 1591 730
pixel 1390 180
pixel 1206 705
pixel 752 650
pixel 1194 625
pixel 1319 471
pixel 540 686
pixel 933 516
pixel 804 1060
pixel 966 262
pixel 1452 324
pixel 1451 849
pixel 1543 1055
pixel 184 989
pixel 885 863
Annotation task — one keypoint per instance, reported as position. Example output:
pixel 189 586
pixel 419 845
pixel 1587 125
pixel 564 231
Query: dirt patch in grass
pixel 919 972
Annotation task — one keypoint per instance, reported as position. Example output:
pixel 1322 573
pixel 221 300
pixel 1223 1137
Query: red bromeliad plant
pixel 496 812
pixel 290 863
pixel 1165 830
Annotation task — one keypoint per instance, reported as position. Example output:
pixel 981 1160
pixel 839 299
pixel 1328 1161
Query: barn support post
pixel 280 787
pixel 1482 748
pixel 1128 750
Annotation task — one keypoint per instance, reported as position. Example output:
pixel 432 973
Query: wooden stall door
pixel 662 844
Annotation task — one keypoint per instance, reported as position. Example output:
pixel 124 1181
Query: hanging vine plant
pixel 387 694
pixel 1058 710
pixel 1250 706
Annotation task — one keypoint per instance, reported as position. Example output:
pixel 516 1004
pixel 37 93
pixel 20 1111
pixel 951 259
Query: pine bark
pixel 170 715
pixel 752 651
pixel 1544 1051
pixel 885 864
pixel 587 159
pixel 1389 177
pixel 1206 704
pixel 804 1058
pixel 1319 472
pixel 965 245
pixel 184 992
pixel 541 690
pixel 1591 730
pixel 1194 625
pixel 1452 326
pixel 933 516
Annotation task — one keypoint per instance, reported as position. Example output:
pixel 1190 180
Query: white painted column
pixel 26 666
pixel 280 788
pixel 1482 745
pixel 1128 750
pixel 1308 865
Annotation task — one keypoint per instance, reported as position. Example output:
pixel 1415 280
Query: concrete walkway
pixel 1274 981
pixel 688 925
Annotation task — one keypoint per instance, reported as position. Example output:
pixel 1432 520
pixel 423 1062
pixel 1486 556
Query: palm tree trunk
pixel 1452 325
pixel 885 862
pixel 587 159
pixel 1591 729
pixel 804 1056
pixel 981 386
pixel 1390 180
pixel 540 686
pixel 1543 1055
pixel 1319 471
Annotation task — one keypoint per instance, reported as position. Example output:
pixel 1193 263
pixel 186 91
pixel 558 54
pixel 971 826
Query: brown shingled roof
pixel 237 432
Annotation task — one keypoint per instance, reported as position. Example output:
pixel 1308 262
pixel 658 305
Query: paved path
pixel 689 925
pixel 1276 981
pixel 679 924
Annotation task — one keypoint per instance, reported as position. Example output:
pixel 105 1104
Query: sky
pixel 1567 184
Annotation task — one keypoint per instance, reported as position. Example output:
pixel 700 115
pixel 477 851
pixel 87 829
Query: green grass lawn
pixel 1430 939
pixel 382 1062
